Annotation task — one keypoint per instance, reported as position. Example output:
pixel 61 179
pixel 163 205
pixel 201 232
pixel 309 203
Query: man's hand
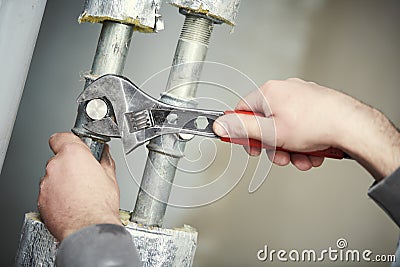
pixel 77 191
pixel 309 117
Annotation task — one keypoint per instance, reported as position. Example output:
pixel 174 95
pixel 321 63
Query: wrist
pixel 107 219
pixel 370 138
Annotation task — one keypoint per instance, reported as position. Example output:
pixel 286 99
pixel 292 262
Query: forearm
pixel 370 138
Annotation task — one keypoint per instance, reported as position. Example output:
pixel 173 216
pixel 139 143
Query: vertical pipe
pixel 19 26
pixel 110 57
pixel 165 151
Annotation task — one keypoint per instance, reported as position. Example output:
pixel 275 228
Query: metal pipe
pixel 19 26
pixel 110 57
pixel 165 151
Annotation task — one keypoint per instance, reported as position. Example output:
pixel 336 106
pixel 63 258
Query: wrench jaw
pixel 131 141
pixel 110 89
pixel 105 127
pixel 108 86
pixel 121 97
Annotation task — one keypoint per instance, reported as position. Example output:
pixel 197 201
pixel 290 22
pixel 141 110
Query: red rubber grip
pixel 331 152
pixel 245 112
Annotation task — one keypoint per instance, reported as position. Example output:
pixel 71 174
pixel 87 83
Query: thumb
pixel 246 126
pixel 108 163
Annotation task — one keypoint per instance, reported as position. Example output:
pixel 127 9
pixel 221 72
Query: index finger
pixel 58 140
pixel 255 101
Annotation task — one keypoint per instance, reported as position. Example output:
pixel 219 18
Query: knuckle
pixel 270 84
pixel 52 138
pixel 50 168
pixel 112 163
pixel 42 181
pixel 42 195
pixel 269 87
pixel 39 205
pixel 294 79
pixel 72 148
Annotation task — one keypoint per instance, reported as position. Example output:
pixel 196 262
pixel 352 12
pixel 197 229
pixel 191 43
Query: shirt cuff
pixel 98 245
pixel 386 194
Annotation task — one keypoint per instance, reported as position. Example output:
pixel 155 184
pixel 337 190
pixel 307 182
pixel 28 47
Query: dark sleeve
pixel 98 245
pixel 386 194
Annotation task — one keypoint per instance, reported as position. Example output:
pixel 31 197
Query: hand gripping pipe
pixel 165 151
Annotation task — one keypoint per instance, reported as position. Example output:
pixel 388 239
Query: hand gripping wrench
pixel 119 109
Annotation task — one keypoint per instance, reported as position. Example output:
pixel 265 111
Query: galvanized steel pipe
pixel 165 151
pixel 112 49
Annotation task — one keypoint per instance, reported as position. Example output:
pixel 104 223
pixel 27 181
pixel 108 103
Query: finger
pixel 42 183
pixel 58 140
pixel 279 158
pixel 255 101
pixel 296 80
pixel 270 154
pixel 246 126
pixel 108 163
pixel 302 162
pixel 316 161
pixel 252 151
pixel 50 160
pixel 42 192
pixel 250 102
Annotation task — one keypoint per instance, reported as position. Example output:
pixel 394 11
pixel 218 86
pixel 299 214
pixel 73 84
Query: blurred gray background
pixel 351 45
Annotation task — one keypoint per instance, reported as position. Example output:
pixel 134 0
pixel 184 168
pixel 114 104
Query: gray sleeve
pixel 386 194
pixel 98 245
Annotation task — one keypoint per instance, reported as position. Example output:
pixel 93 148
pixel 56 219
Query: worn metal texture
pixel 165 151
pixel 155 246
pixel 164 247
pixel 37 247
pixel 226 10
pixel 141 13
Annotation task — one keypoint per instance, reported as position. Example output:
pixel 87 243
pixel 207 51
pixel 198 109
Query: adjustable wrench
pixel 119 109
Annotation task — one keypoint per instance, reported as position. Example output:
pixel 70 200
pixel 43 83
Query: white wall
pixel 19 25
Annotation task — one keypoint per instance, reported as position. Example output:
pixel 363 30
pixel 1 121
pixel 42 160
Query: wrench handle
pixel 330 152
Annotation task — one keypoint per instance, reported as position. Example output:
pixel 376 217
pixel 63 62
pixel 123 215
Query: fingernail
pixel 220 128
